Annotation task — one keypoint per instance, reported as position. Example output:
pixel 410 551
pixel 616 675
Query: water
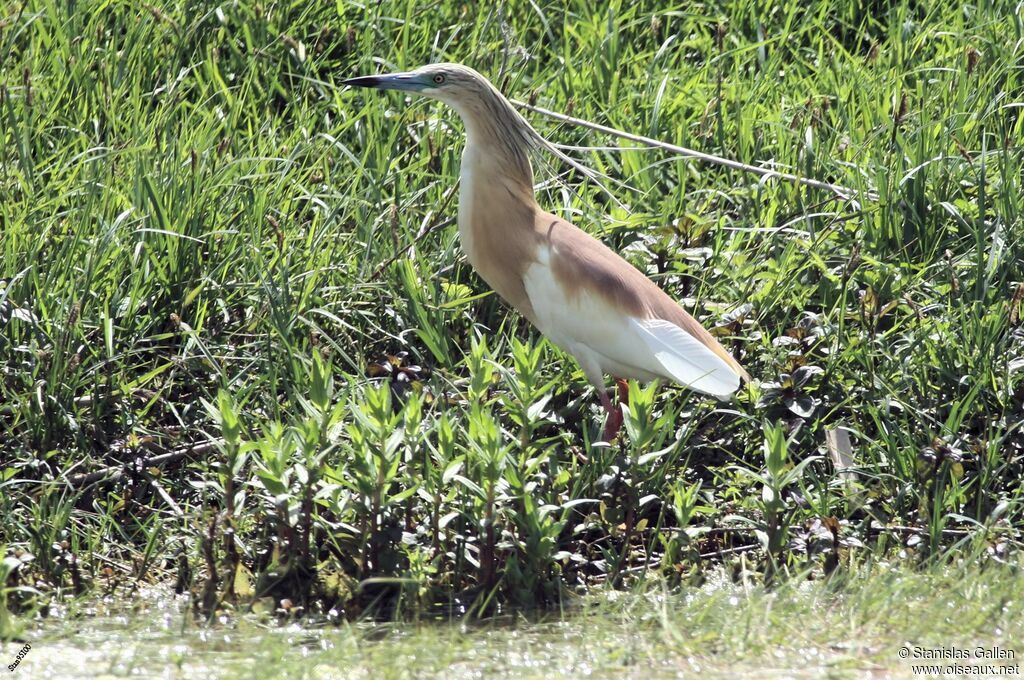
pixel 721 628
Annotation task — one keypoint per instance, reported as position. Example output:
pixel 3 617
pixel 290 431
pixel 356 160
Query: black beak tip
pixel 362 81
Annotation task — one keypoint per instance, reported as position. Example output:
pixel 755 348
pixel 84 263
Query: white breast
pixel 465 204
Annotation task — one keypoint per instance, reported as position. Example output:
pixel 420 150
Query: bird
pixel 580 294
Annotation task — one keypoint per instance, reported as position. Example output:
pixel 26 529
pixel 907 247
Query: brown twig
pixel 917 531
pixel 730 551
pixel 115 473
pixel 845 193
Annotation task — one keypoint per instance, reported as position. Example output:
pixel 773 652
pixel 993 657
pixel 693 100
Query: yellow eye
pixel 438 79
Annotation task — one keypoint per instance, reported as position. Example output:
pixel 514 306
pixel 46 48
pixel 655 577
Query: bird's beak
pixel 408 82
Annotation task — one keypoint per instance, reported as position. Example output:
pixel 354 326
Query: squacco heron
pixel 577 291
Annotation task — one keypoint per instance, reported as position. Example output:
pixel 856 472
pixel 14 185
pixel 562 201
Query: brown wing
pixel 583 262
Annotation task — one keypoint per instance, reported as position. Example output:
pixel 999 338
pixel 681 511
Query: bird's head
pixel 453 84
pixel 489 118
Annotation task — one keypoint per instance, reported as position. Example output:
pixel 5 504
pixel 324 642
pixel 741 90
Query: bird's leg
pixel 614 422
pixel 623 386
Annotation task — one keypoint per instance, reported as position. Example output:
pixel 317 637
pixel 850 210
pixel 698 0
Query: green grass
pixel 205 239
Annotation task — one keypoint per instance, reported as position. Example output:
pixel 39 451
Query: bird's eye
pixel 438 79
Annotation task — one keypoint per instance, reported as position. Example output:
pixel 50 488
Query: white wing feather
pixel 686 358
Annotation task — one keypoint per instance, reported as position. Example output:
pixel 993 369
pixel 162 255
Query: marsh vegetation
pixel 243 358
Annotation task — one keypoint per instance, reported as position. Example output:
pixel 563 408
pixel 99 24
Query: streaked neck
pixel 497 143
